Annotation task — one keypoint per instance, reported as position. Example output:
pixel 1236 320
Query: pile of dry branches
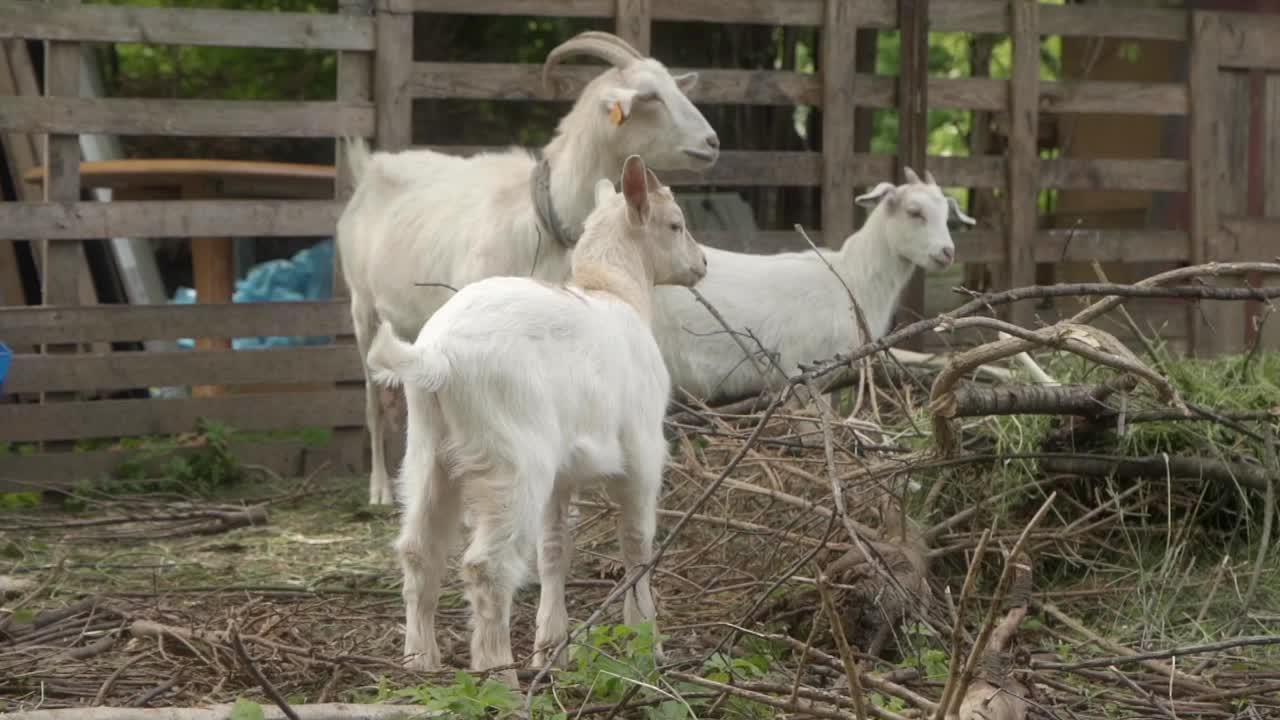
pixel 854 542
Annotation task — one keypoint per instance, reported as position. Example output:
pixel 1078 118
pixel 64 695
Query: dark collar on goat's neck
pixel 540 187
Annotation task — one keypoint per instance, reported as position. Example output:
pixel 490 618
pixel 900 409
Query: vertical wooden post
pixel 635 22
pixel 355 84
pixel 1270 330
pixel 60 276
pixel 1023 161
pixel 1202 92
pixel 839 73
pixel 913 127
pixel 393 61
pixel 355 78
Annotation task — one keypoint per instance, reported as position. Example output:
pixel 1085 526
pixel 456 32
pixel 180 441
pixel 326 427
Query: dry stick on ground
pixel 994 695
pixel 1174 675
pixel 951 687
pixel 1078 339
pixel 1268 519
pixel 851 671
pixel 261 679
pixel 1157 466
pixel 1142 657
pixel 1002 587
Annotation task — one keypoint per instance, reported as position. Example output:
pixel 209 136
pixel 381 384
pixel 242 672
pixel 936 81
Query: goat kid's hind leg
pixel 555 556
pixel 493 563
pixel 637 498
pixel 365 322
pixel 428 531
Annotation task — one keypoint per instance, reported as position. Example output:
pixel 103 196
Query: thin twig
pixel 261 679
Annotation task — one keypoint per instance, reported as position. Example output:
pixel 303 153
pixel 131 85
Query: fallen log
pixel 1159 467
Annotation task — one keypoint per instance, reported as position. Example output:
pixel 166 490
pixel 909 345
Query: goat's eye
pixel 915 214
pixel 675 227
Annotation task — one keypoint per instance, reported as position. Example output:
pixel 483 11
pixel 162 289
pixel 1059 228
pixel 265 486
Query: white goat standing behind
pixel 792 303
pixel 420 216
pixel 519 394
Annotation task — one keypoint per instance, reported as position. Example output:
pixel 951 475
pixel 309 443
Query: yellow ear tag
pixel 615 113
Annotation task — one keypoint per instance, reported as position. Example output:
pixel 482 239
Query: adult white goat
pixel 792 302
pixel 420 216
pixel 520 393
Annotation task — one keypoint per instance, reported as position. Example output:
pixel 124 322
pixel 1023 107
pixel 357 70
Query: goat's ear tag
pixel 615 114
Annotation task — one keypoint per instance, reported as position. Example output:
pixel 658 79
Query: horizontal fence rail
pixel 29 19
pixel 321 386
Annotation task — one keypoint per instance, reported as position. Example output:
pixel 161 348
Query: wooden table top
pixel 144 172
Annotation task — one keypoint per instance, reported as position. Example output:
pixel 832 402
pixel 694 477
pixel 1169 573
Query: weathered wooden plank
pixel 66 324
pixel 52 471
pixel 515 81
pixel 1248 40
pixel 355 84
pixel 1112 21
pixel 60 270
pixel 1114 174
pixel 838 66
pixel 120 418
pixel 742 168
pixel 1270 339
pixel 980 16
pixel 186 26
pixel 535 8
pixel 1128 98
pixel 212 118
pixel 1203 88
pixel 1024 161
pixel 123 370
pixel 634 22
pixel 1242 239
pixel 392 68
pixel 913 128
pixel 168 218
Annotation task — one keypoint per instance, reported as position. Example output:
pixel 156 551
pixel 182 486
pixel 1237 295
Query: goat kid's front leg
pixel 555 556
pixel 428 531
pixel 637 523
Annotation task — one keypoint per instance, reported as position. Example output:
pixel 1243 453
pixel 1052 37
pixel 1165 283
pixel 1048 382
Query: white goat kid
pixel 520 393
pixel 793 304
pixel 420 216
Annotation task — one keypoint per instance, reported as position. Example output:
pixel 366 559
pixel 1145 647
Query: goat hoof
pixel 425 661
pixel 380 496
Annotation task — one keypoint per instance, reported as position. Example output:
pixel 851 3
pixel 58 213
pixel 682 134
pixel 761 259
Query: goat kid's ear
pixel 635 188
pixel 686 82
pixel 618 102
pixel 604 191
pixel 958 214
pixel 878 194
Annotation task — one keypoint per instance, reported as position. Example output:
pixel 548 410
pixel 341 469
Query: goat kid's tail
pixel 393 361
pixel 357 157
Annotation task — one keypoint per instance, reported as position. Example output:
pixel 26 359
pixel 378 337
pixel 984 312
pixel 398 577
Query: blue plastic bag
pixel 6 357
pixel 308 275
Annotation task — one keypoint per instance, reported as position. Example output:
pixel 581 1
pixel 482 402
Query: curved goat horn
pixel 928 177
pixel 910 175
pixel 603 45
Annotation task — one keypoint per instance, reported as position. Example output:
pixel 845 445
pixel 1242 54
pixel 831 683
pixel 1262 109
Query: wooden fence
pixel 377 82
